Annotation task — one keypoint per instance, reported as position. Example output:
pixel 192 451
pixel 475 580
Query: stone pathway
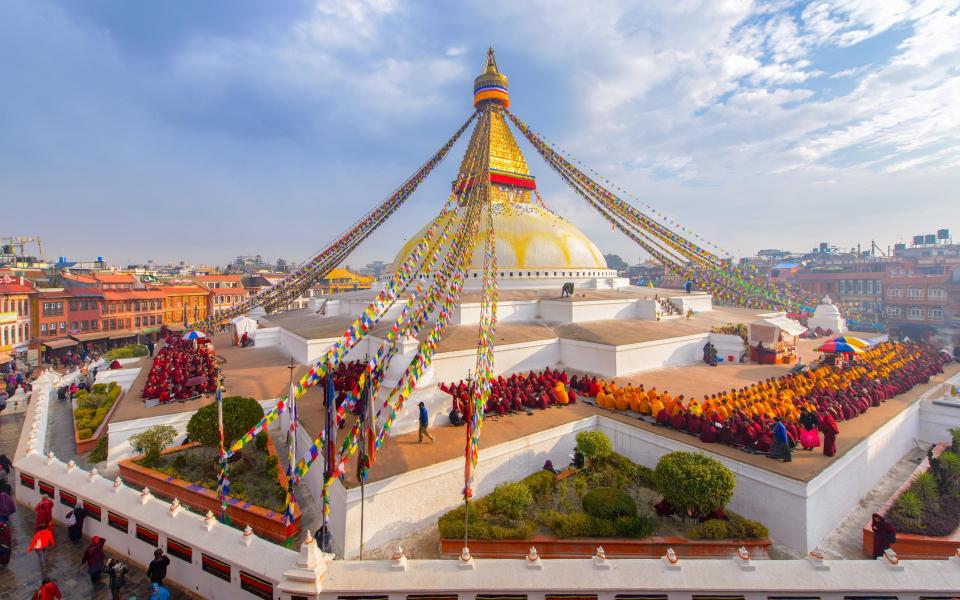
pixel 846 541
pixel 20 578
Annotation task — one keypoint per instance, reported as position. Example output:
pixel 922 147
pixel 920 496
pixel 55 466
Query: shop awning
pixel 789 326
pixel 90 335
pixel 56 344
pixel 5 358
pixel 119 335
pixel 176 327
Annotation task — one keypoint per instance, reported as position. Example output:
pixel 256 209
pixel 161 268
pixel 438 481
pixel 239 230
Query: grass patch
pixel 253 478
pixel 99 454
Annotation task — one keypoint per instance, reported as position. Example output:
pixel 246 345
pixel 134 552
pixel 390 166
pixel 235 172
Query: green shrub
pixel 575 524
pixel 743 528
pixel 451 526
pixel 128 351
pixel 180 461
pixel 273 466
pixel 609 503
pixel 693 482
pixel 595 445
pixel 645 477
pixel 580 484
pixel 955 435
pixel 541 484
pixel 240 414
pixel 950 470
pixel 908 509
pixel 925 487
pixel 633 527
pixel 260 442
pixel 713 529
pixel 98 388
pixel 85 434
pixel 151 443
pixel 99 454
pixel 510 499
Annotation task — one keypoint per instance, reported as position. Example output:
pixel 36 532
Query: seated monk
pixel 663 417
pixel 708 433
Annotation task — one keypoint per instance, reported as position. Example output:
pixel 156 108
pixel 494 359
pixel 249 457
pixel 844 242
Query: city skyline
pixel 153 134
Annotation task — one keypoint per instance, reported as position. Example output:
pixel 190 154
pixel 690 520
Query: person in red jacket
pixel 48 590
pixel 44 510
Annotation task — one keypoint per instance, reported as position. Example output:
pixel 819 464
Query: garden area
pixel 128 351
pixel 610 497
pixel 930 506
pixel 253 471
pixel 92 408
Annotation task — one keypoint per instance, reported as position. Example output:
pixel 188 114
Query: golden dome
pixel 529 238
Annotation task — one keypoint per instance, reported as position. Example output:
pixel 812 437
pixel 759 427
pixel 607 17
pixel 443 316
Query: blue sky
pixel 199 131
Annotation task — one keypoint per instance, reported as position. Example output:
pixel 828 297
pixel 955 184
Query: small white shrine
pixel 827 316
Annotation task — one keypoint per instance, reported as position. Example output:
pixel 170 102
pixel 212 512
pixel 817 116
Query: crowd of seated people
pixel 818 398
pixel 182 369
pixel 345 378
pixel 516 393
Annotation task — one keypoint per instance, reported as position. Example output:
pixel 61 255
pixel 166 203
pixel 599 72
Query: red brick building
pixel 15 314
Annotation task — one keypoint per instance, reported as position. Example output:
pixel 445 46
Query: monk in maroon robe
pixel 829 429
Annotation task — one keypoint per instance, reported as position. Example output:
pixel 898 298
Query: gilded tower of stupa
pixel 533 243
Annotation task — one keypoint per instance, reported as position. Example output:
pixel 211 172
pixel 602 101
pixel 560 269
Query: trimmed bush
pixel 85 434
pixel 693 482
pixel 714 529
pixel 239 415
pixel 595 445
pixel 633 527
pixel 510 500
pixel 541 484
pixel 451 526
pixel 955 435
pixel 908 510
pixel 925 487
pixel 576 524
pixel 743 528
pixel 609 503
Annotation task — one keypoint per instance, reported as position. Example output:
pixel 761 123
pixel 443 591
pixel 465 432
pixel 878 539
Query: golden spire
pixel 491 85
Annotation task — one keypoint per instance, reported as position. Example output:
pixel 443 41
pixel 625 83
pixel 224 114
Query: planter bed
pixel 652 547
pixel 912 545
pixel 264 522
pixel 87 444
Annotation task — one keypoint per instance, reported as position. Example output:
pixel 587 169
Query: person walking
pixel 74 519
pixel 7 506
pixel 117 572
pixel 157 570
pixel 48 590
pixel 5 468
pixel 424 421
pixel 39 543
pixel 44 510
pixel 159 592
pixel 93 557
pixel 150 348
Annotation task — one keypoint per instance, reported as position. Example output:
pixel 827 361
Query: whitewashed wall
pixel 672 352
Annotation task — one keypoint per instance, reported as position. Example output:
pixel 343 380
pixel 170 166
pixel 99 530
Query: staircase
pixel 667 308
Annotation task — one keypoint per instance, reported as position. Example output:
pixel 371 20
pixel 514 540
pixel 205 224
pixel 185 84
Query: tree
pixel 151 443
pixel 239 415
pixel 694 483
pixel 595 445
pixel 615 262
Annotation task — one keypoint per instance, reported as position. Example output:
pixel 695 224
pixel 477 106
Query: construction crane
pixel 9 244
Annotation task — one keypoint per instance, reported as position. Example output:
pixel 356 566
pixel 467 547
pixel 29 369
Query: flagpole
pixel 361 473
pixel 222 488
pixel 471 406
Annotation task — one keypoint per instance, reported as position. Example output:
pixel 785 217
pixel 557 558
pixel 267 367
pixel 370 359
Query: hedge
pixel 693 482
pixel 608 503
pixel 128 351
pixel 733 527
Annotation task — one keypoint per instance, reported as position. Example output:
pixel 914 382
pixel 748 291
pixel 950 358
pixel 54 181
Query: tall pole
pixel 466 496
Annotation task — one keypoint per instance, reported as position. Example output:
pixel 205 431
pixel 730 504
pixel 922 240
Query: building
pixel 15 314
pixel 130 312
pixel 49 326
pixel 924 299
pixel 84 310
pixel 226 291
pixel 185 303
pixel 858 285
pixel 649 271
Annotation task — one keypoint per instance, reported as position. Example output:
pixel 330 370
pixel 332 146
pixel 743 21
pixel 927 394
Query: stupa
pixel 827 316
pixel 535 247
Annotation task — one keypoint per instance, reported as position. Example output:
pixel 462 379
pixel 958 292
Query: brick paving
pixel 20 578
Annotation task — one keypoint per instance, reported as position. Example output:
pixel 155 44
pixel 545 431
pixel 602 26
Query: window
pixel 73 305
pixel 94 324
pixel 63 326
pixel 915 292
pixel 73 325
pixel 936 293
pixel 43 330
pixel 935 313
pixel 894 292
pixel 915 313
pixel 86 325
pixel 137 321
pixel 893 311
